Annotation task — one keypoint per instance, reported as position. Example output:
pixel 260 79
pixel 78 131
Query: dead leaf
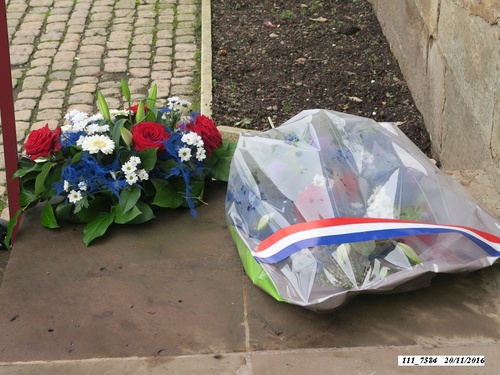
pixel 301 60
pixel 319 19
pixel 355 99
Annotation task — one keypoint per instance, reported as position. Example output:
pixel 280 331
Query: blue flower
pixel 70 138
pixel 96 176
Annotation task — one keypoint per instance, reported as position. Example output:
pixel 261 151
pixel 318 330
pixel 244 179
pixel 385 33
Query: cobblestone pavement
pixel 64 51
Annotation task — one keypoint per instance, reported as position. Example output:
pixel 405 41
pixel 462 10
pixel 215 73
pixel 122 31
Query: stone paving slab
pixel 371 360
pixel 170 287
pixel 159 291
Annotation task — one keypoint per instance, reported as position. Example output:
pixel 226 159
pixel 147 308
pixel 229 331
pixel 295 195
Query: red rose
pixel 135 107
pixel 313 203
pixel 43 142
pixel 206 129
pixel 149 135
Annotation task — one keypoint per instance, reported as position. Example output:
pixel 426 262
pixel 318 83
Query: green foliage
pixel 287 15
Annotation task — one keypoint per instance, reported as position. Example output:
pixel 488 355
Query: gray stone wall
pixel 449 53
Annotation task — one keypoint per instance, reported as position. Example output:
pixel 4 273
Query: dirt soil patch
pixel 273 59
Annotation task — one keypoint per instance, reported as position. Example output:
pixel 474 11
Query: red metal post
pixel 8 118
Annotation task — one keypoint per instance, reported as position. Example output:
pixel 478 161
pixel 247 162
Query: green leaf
pixel 53 178
pixel 122 217
pixel 166 195
pixel 48 218
pixel 409 252
pixel 116 132
pixel 87 214
pixel 220 160
pixel 40 179
pixel 97 227
pixel 103 107
pixel 77 157
pixel 152 96
pixel 264 220
pixel 151 117
pixel 411 213
pixel 28 196
pixel 129 198
pixel 220 171
pixel 24 169
pixel 148 158
pixel 139 116
pixel 81 204
pixel 125 89
pixel 146 213
pixel 10 227
pixel 126 136
pixel 148 190
pixel 25 162
pixel 65 213
pixel 166 165
pixel 364 247
pixel 343 251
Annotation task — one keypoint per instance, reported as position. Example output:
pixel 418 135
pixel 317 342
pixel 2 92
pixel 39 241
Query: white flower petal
pixel 98 143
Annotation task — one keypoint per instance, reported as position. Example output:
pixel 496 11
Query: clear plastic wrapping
pixel 330 205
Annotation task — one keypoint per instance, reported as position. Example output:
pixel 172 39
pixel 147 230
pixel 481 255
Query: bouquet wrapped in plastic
pixel 331 205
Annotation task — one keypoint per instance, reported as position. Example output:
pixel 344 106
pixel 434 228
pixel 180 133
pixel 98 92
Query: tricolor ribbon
pixel 294 238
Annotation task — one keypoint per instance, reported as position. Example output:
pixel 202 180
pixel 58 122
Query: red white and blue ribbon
pixel 335 231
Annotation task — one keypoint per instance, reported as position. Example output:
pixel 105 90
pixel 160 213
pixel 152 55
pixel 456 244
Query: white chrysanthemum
pixel 319 180
pixel 82 186
pixel 96 117
pixel 67 128
pixel 185 153
pixel 380 204
pixel 131 178
pixel 79 116
pixel 76 116
pixel 91 129
pixel 96 128
pixel 66 186
pixel 190 138
pixel 74 196
pixel 80 140
pixel 177 104
pixel 357 205
pixel 368 157
pixel 79 126
pixel 103 128
pixel 98 143
pixel 173 100
pixel 129 167
pixel 201 154
pixel 142 174
pixel 134 160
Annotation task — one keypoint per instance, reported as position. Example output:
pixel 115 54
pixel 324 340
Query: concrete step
pixel 368 360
